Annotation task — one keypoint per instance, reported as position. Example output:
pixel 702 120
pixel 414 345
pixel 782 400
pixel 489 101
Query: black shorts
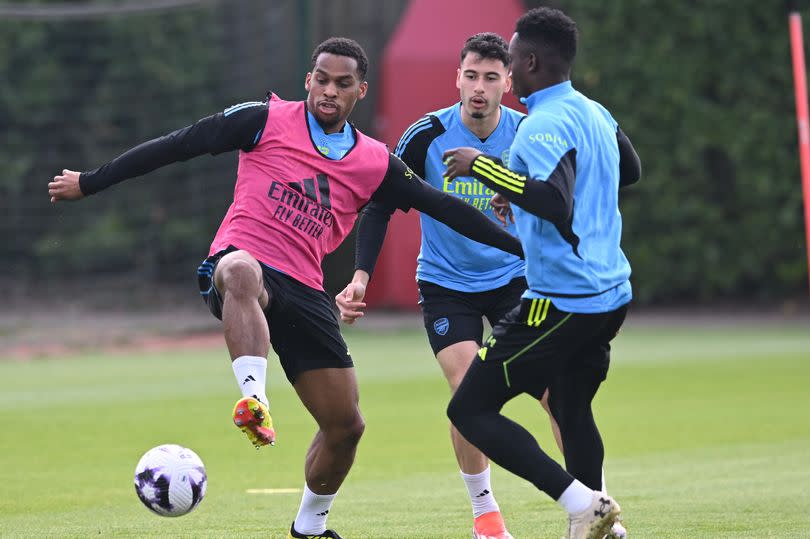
pixel 304 330
pixel 451 316
pixel 537 342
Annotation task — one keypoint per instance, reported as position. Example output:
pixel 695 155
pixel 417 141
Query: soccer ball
pixel 170 480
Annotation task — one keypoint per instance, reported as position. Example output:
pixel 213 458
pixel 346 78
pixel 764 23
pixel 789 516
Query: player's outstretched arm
pixel 551 199
pixel 403 189
pixel 222 132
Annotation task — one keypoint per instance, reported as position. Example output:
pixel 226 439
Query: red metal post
pixel 803 122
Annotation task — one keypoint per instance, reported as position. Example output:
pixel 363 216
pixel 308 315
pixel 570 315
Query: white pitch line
pixel 273 490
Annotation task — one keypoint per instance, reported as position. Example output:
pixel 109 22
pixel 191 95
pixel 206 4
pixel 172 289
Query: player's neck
pixel 332 129
pixel 481 127
pixel 329 130
pixel 547 81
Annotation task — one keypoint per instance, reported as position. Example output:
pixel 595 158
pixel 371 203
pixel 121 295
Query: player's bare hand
pixel 65 186
pixel 502 208
pixel 350 302
pixel 459 162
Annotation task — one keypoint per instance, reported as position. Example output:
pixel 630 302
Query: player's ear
pixel 508 87
pixel 362 89
pixel 307 83
pixel 533 62
pixel 458 78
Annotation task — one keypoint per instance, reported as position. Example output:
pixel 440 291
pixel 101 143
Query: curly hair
pixel 552 31
pixel 487 45
pixel 343 46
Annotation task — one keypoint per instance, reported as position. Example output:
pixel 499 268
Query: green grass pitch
pixel 706 431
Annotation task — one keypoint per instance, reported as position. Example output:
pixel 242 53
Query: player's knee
pixel 457 412
pixel 572 417
pixel 239 277
pixel 347 433
pixel 455 361
pixel 356 430
pixel 454 380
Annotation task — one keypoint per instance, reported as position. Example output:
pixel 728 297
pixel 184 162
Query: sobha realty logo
pixel 548 139
pixel 441 326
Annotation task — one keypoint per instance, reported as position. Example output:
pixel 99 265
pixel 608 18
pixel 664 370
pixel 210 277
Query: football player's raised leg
pixel 239 280
pixel 332 398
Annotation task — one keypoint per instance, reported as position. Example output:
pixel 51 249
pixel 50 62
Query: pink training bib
pixel 291 204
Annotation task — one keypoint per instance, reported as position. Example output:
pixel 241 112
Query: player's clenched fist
pixel 65 187
pixel 459 162
pixel 350 302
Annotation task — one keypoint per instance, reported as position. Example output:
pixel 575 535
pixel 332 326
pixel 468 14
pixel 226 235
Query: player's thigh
pixel 504 299
pixel 304 330
pixel 211 293
pixel 571 393
pixel 482 391
pixel 239 271
pixel 450 316
pixel 455 360
pixel 573 389
pixel 593 358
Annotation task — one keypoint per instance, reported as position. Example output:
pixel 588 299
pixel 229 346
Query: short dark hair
pixel 343 46
pixel 487 45
pixel 552 31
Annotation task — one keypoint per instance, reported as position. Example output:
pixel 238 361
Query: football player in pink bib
pixel 304 175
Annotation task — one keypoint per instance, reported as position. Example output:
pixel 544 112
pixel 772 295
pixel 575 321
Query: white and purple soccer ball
pixel 170 480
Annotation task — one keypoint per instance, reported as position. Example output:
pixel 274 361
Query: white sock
pixel 480 492
pixel 604 485
pixel 312 512
pixel 576 498
pixel 251 375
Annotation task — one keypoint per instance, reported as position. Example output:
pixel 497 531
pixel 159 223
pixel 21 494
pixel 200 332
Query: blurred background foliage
pixel 704 89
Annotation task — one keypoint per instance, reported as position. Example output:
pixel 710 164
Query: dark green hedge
pixel 75 93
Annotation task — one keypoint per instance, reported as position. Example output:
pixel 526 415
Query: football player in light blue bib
pixel 565 167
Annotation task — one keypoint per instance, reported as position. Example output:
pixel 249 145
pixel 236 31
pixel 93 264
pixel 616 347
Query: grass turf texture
pixel 706 433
